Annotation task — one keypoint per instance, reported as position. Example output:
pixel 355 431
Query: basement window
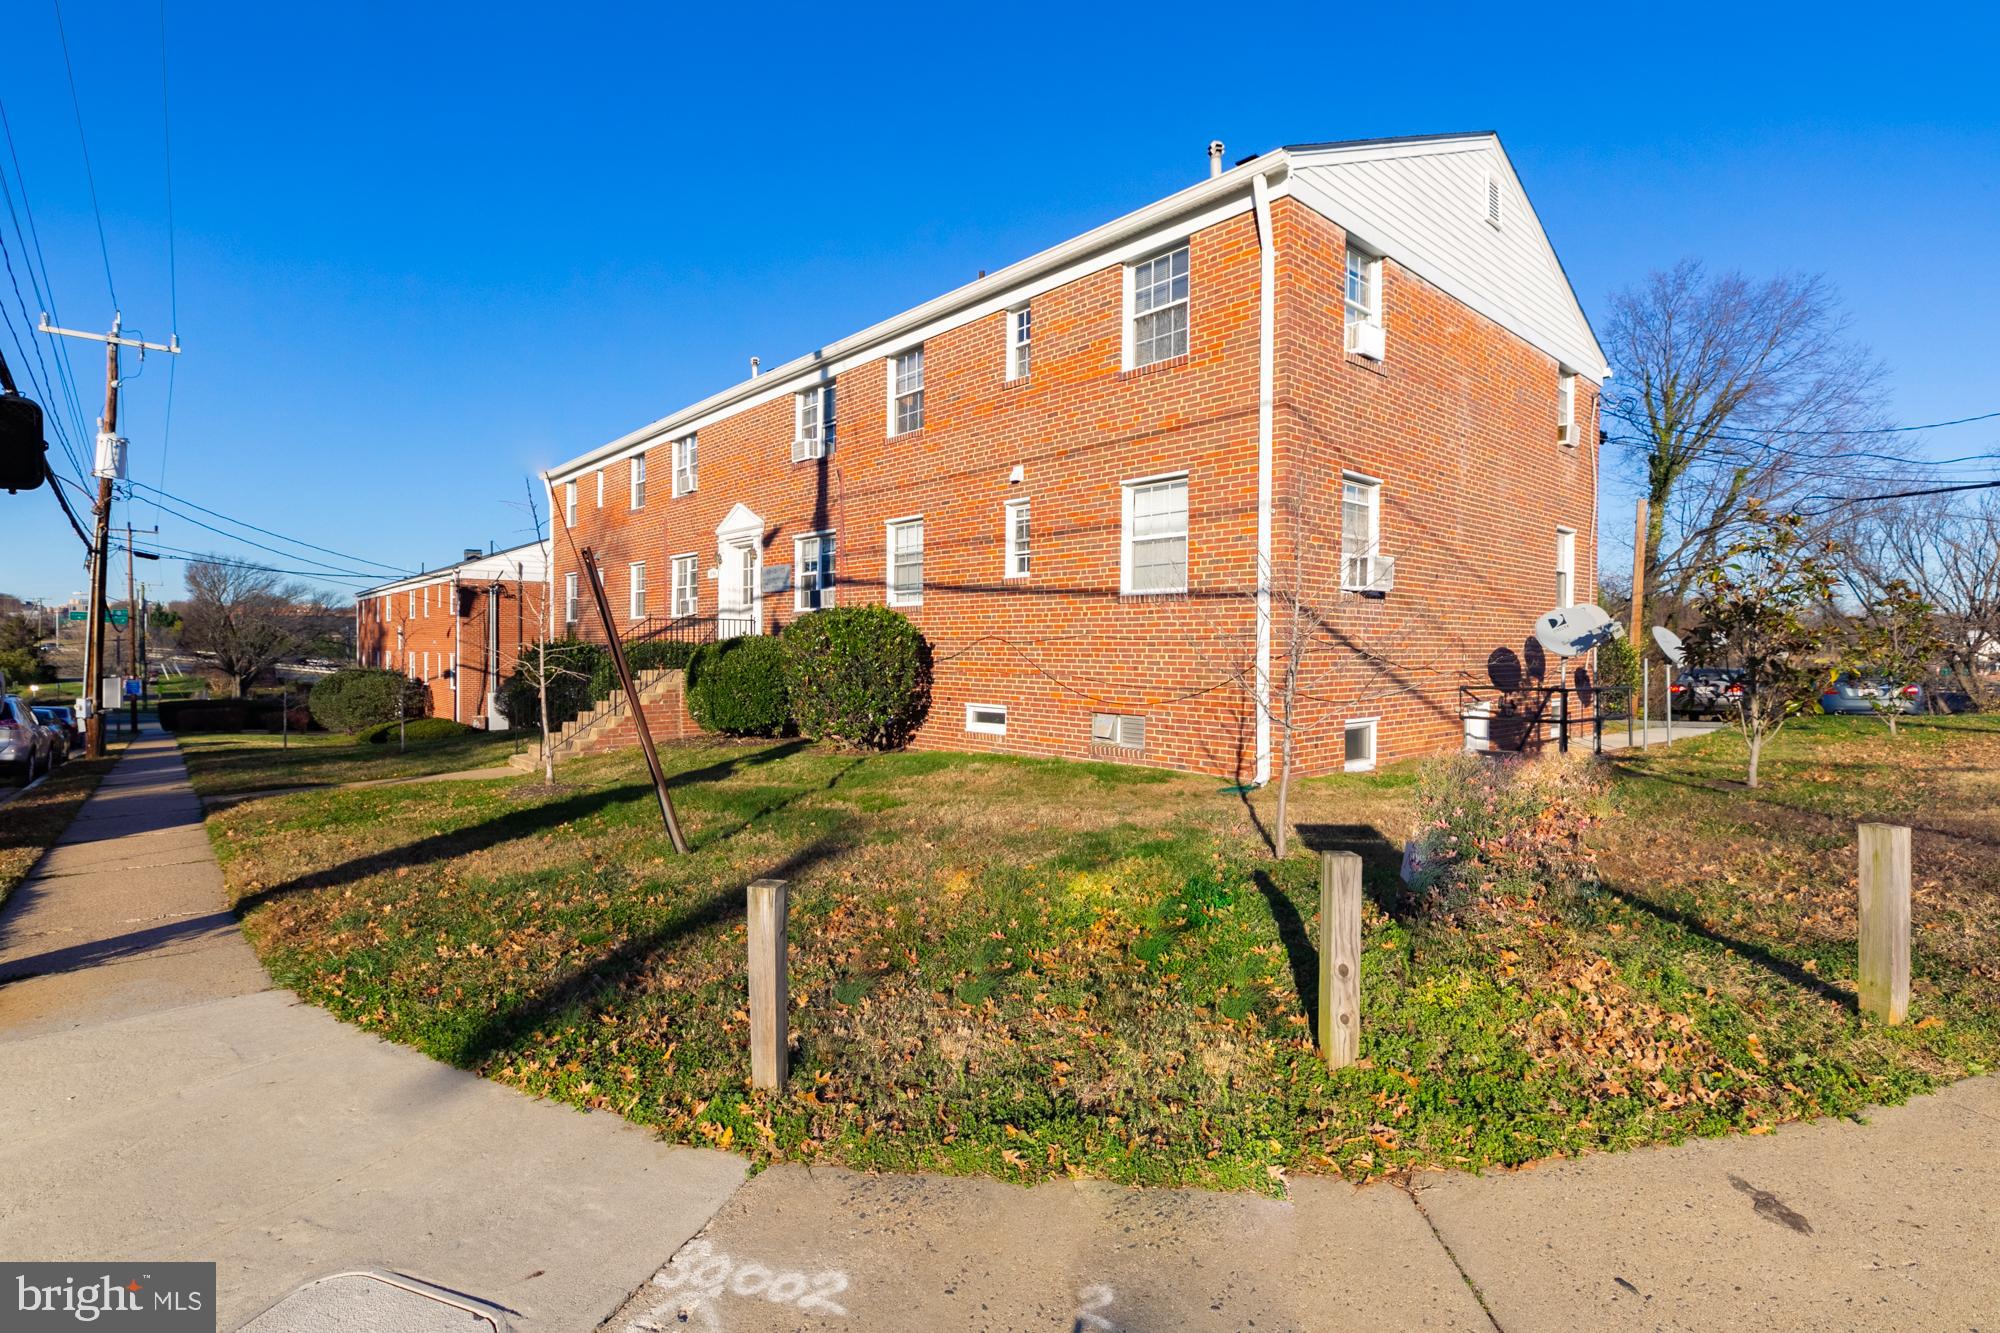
pixel 986 719
pixel 1120 729
pixel 1361 746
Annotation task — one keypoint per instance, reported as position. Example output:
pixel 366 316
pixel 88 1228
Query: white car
pixel 26 746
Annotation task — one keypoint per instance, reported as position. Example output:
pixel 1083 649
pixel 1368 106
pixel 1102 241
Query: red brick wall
pixel 1459 422
pixel 453 622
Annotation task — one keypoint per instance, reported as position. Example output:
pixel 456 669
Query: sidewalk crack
pixel 1438 1236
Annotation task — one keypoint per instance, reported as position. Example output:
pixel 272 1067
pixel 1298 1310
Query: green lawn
pixel 223 762
pixel 1032 968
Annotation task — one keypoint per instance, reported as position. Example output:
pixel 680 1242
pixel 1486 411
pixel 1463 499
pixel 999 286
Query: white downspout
pixel 457 650
pixel 1267 302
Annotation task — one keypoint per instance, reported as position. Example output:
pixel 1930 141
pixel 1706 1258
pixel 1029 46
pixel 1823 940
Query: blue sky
pixel 424 250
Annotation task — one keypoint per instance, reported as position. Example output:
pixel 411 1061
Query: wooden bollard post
pixel 1885 921
pixel 769 994
pixel 1340 958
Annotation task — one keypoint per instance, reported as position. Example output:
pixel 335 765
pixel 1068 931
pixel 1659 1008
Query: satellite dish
pixel 1572 631
pixel 1670 644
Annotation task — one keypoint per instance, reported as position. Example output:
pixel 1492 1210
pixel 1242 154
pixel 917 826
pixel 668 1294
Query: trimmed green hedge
pixel 737 687
pixel 423 729
pixel 360 697
pixel 573 668
pixel 860 675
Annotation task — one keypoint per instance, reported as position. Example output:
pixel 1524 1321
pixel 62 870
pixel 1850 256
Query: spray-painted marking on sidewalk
pixel 701 1278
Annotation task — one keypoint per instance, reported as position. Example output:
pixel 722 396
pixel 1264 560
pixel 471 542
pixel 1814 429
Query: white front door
pixel 742 599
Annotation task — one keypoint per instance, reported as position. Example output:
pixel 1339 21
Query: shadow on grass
pixel 1381 879
pixel 503 828
pixel 1761 798
pixel 1781 968
pixel 1301 955
pixel 509 1026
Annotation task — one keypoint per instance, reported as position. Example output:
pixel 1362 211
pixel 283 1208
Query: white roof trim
pixel 528 563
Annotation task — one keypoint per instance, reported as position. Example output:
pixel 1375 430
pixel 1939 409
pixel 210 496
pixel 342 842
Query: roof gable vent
pixel 1492 199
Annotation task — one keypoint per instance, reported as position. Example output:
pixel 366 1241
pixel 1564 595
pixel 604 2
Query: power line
pixel 173 274
pixel 76 103
pixel 44 288
pixel 237 537
pixel 1844 501
pixel 295 541
pixel 182 555
pixel 63 500
pixel 1873 430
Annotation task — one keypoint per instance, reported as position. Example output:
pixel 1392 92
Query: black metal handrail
pixel 1531 722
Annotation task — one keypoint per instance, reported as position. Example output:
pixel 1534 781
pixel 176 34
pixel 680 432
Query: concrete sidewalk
pixel 162 1102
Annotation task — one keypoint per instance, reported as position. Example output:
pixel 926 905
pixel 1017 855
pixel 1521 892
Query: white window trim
pixel 801 451
pixel 1010 344
pixel 1372 311
pixel 889 562
pixel 1374 485
pixel 1009 542
pixel 569 504
pixel 570 599
pixel 636 482
pixel 600 486
pixel 687 444
pixel 1131 316
pixel 1566 561
pixel 635 590
pixel 922 386
pixel 1125 489
pixel 973 724
pixel 1368 765
pixel 693 560
pixel 1565 408
pixel 799 566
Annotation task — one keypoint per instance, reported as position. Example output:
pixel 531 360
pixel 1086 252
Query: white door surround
pixel 739 553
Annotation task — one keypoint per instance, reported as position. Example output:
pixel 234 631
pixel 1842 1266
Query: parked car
pixel 1708 692
pixel 1859 696
pixel 27 748
pixel 61 723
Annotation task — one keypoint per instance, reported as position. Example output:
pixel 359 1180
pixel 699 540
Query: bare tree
pixel 1729 391
pixel 246 620
pixel 1947 549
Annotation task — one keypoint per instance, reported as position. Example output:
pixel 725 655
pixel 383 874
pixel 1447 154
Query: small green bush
pixel 360 697
pixel 573 666
pixel 1496 829
pixel 737 687
pixel 860 675
pixel 423 729
pixel 23 667
pixel 653 655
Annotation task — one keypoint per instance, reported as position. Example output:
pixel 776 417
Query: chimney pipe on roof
pixel 1214 158
pixel 753 367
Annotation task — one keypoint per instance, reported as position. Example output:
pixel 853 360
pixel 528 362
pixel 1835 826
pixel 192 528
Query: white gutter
pixel 1267 302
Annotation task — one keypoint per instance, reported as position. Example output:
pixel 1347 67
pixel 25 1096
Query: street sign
pixel 79 615
pixel 119 616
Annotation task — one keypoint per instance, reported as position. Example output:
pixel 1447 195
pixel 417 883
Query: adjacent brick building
pixel 1314 439
pixel 458 629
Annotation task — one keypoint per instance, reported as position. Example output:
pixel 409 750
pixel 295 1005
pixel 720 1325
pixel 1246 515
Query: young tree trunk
pixel 542 694
pixel 1756 753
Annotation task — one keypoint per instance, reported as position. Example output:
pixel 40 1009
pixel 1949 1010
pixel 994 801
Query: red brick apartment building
pixel 457 629
pixel 1340 396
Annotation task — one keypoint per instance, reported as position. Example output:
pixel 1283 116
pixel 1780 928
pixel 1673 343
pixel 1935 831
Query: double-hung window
pixel 637 594
pixel 685 472
pixel 1364 303
pixel 1017 539
pixel 813 434
pixel 1158 302
pixel 1565 566
pixel 813 556
pixel 600 488
pixel 638 481
pixel 569 599
pixel 569 504
pixel 1155 546
pixel 686 594
pixel 413 604
pixel 1360 531
pixel 1020 334
pixel 906 391
pixel 1565 408
pixel 906 562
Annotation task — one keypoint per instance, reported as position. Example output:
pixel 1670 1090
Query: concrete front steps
pixel 609 726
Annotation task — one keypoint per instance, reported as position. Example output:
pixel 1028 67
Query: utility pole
pixel 110 466
pixel 131 635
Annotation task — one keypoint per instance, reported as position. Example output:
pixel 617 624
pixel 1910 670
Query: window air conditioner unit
pixel 801 450
pixel 1381 576
pixel 1365 340
pixel 1565 434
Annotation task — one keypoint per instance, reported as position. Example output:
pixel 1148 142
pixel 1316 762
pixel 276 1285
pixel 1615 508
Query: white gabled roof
pixel 1423 202
pixel 1513 276
pixel 528 563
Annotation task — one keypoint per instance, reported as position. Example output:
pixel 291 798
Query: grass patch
pixel 1029 968
pixel 31 823
pixel 220 763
